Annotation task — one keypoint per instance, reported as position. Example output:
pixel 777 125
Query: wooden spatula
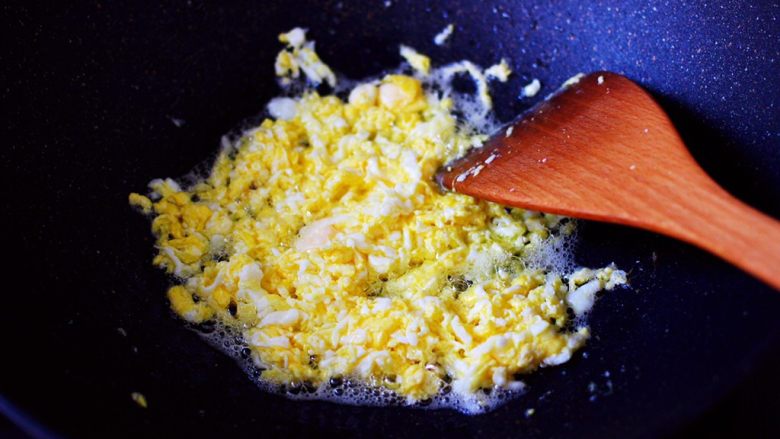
pixel 602 149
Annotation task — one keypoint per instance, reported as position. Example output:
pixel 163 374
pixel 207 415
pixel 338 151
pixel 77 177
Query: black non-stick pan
pixel 101 97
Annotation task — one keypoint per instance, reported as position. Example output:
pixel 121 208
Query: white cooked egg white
pixel 321 241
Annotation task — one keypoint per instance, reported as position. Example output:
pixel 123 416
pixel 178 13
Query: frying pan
pixel 102 97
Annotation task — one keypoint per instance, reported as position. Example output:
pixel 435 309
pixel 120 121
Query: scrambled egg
pixel 418 61
pixel 299 55
pixel 322 237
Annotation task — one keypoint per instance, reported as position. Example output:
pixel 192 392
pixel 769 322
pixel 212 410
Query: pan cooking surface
pixel 97 89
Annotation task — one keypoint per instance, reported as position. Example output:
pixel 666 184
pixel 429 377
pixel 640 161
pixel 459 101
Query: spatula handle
pixel 727 227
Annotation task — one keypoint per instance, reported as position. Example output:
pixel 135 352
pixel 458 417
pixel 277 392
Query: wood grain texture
pixel 604 150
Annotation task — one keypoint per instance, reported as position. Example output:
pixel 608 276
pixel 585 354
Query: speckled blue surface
pixel 99 98
pixel 715 65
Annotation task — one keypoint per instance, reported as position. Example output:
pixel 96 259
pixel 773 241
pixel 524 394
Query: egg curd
pixel 321 237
